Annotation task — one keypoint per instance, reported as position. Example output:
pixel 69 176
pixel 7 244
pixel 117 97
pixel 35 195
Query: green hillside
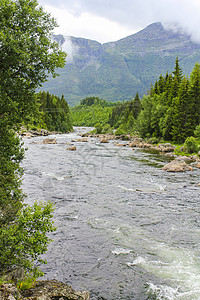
pixel 118 70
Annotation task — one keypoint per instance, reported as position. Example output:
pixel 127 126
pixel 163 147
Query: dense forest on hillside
pixel 172 109
pixel 52 113
pixel 55 112
pixel 169 111
pixel 91 111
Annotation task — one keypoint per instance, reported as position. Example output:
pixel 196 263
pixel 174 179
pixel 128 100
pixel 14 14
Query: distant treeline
pixel 55 112
pixel 172 108
pixel 169 111
pixel 91 111
pixel 52 113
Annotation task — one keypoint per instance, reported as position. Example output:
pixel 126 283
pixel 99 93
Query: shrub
pixel 98 128
pixel 119 131
pixel 191 145
pixel 106 129
pixel 27 283
pixel 23 241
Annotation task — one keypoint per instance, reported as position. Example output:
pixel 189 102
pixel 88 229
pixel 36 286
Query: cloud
pixel 69 48
pixel 129 15
pixel 87 25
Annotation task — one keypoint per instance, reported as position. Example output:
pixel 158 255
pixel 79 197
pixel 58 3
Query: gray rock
pixel 42 290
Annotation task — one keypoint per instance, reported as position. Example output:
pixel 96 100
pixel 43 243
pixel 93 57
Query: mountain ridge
pixel 116 71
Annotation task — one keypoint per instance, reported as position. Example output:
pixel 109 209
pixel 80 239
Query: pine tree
pixel 183 122
pixel 136 106
pixel 195 92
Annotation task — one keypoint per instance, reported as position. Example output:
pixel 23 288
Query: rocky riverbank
pixel 30 133
pixel 178 163
pixel 42 290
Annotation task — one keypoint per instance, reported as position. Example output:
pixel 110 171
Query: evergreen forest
pixel 54 112
pixel 169 111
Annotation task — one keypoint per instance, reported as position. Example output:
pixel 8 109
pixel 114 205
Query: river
pixel 125 228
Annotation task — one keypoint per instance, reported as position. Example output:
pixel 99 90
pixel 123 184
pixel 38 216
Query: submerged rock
pixel 49 141
pixel 71 148
pixel 104 140
pixel 122 145
pixel 84 140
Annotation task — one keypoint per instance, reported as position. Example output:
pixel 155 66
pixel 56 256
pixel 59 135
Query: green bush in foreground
pixel 24 240
pixel 191 145
pixel 27 56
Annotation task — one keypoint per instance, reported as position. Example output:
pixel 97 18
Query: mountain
pixel 116 71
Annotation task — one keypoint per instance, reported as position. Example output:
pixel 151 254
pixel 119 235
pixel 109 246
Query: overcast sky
pixel 110 20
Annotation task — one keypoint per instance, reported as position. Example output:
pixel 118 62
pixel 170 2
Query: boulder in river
pixel 49 141
pixel 118 144
pixel 167 147
pixel 104 140
pixel 71 148
pixel 177 166
pixel 186 159
pixel 84 140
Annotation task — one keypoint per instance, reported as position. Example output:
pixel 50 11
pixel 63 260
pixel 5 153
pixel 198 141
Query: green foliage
pixel 98 128
pixel 27 56
pixel 27 53
pixel 124 114
pixel 89 114
pixel 197 132
pixel 24 240
pixel 55 112
pixel 27 283
pixel 96 101
pixel 172 109
pixel 11 155
pixel 119 131
pixel 191 145
pixel 106 129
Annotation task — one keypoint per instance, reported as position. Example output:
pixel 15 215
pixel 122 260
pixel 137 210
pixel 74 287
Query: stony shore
pixel 42 290
pixel 34 133
pixel 178 163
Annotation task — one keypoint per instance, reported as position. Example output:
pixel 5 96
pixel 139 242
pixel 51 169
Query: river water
pixel 125 228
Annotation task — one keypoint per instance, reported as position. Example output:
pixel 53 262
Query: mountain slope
pixel 118 70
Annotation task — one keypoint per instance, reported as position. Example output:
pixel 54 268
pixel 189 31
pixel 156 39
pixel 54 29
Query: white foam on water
pixel 161 187
pixel 158 189
pixel 54 176
pixel 126 189
pixel 162 292
pixel 180 267
pixel 138 261
pixel 118 251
